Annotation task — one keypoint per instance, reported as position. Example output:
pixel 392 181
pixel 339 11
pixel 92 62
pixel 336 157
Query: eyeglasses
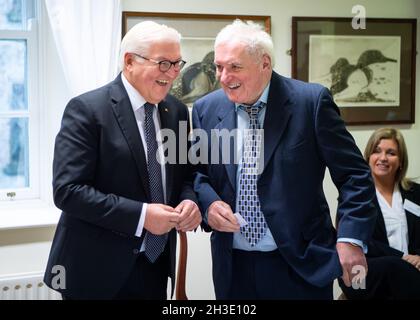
pixel 165 65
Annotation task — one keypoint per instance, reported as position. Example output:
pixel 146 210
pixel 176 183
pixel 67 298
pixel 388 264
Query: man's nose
pixel 172 72
pixel 222 75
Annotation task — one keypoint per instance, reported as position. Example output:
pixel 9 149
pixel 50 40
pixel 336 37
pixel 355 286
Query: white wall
pixel 26 250
pixel 31 254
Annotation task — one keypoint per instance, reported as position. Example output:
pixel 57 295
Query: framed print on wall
pixel 198 33
pixel 370 72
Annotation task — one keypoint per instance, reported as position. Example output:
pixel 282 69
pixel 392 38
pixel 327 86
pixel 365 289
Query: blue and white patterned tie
pixel 249 204
pixel 155 244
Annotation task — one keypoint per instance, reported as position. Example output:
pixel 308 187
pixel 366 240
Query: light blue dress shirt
pixel 239 241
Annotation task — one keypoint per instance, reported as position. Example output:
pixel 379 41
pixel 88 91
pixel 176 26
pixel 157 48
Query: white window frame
pixel 34 207
pixel 33 113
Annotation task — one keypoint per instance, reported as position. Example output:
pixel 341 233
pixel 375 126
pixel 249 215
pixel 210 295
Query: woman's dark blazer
pixel 379 245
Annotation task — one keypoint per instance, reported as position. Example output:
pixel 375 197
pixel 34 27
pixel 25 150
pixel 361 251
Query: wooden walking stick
pixel 180 293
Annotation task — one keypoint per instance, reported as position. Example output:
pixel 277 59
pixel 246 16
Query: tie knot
pixel 148 108
pixel 254 109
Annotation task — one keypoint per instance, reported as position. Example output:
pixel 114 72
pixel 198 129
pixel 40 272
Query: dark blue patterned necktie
pixel 249 204
pixel 155 244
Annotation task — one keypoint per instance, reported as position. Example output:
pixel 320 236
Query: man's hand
pixel 189 216
pixel 221 217
pixel 160 218
pixel 350 257
pixel 413 259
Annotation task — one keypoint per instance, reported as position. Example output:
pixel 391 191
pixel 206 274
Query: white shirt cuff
pixel 140 226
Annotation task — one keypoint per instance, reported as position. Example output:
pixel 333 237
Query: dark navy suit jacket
pixel 100 182
pixel 303 134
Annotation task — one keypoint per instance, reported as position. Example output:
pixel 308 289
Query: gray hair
pixel 140 37
pixel 258 42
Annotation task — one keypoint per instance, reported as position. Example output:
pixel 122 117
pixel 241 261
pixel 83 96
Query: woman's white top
pixel 395 220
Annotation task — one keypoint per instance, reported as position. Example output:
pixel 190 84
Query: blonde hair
pixel 141 36
pixel 393 134
pixel 258 42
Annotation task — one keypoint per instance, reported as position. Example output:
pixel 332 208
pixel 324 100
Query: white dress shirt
pixel 395 220
pixel 137 103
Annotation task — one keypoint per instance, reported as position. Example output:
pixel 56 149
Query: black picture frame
pixel 371 72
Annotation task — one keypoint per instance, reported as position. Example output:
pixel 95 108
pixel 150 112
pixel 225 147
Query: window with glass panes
pixel 17 40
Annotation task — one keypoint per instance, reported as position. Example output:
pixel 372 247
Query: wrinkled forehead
pixel 231 52
pixel 164 48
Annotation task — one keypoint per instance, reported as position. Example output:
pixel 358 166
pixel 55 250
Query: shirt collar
pixel 137 101
pixel 396 197
pixel 263 98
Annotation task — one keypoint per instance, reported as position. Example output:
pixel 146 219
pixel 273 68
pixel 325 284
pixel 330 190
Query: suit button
pixel 136 251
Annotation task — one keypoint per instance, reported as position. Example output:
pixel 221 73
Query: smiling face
pixel 152 84
pixel 243 76
pixel 384 161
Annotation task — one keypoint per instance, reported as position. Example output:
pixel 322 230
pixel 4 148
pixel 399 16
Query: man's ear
pixel 266 61
pixel 128 60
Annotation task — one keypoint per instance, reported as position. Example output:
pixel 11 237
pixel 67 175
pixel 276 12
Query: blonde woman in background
pixel 394 251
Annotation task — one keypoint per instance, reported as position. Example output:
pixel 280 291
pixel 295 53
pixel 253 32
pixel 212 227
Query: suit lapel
pixel 276 117
pixel 228 121
pixel 124 114
pixel 380 225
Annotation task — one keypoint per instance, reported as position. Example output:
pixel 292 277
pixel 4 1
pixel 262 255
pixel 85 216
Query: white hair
pixel 140 37
pixel 258 42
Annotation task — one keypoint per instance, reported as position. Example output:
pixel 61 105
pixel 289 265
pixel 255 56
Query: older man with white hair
pixel 288 132
pixel 121 204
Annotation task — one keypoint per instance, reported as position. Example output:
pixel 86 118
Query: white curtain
pixel 87 34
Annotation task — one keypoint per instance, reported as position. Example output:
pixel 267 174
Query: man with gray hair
pixel 122 205
pixel 272 234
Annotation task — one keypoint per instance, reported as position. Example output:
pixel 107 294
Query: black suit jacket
pixel 379 245
pixel 100 183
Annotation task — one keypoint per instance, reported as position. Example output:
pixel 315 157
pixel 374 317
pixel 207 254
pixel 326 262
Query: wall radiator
pixel 28 286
